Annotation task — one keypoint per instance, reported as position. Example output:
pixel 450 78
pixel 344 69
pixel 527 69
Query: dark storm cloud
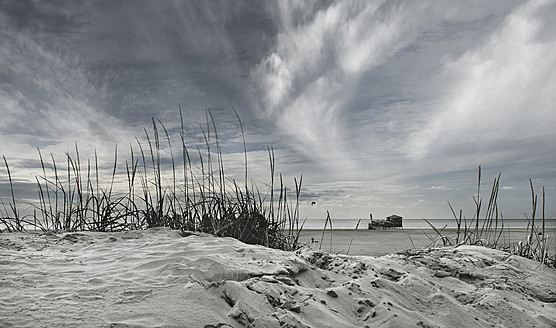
pixel 40 15
pixel 149 56
pixel 197 54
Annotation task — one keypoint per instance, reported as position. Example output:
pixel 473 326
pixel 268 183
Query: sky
pixel 383 107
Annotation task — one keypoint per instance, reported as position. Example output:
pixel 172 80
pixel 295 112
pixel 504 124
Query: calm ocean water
pixel 421 224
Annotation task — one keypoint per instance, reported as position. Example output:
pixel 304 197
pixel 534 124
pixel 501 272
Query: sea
pixel 351 224
pixel 343 238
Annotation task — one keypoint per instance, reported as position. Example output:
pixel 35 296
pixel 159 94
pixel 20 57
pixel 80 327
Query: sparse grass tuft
pixel 489 230
pixel 485 231
pixel 11 223
pixel 536 244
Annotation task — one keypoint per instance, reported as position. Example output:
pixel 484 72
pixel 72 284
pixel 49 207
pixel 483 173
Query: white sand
pixel 157 278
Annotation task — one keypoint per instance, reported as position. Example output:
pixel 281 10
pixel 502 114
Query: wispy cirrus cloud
pixel 47 99
pixel 319 57
pixel 502 90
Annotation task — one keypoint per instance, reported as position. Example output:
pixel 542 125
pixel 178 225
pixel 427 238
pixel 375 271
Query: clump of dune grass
pixel 191 196
pixel 488 230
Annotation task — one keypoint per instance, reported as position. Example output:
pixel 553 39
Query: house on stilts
pixel 392 221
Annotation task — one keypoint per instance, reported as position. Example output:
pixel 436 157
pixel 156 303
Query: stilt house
pixel 392 221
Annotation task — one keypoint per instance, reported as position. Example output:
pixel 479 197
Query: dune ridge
pixel 157 278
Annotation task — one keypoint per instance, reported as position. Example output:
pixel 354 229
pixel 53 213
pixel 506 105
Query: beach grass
pixel 197 195
pixel 487 228
pixel 77 196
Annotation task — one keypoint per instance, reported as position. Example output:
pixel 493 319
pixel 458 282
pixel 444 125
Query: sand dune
pixel 157 278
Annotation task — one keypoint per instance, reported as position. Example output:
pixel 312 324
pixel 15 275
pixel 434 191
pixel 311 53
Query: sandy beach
pixel 157 278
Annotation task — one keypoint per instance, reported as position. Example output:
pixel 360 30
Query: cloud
pixel 47 100
pixel 502 90
pixel 353 86
pixel 303 85
pixel 39 16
